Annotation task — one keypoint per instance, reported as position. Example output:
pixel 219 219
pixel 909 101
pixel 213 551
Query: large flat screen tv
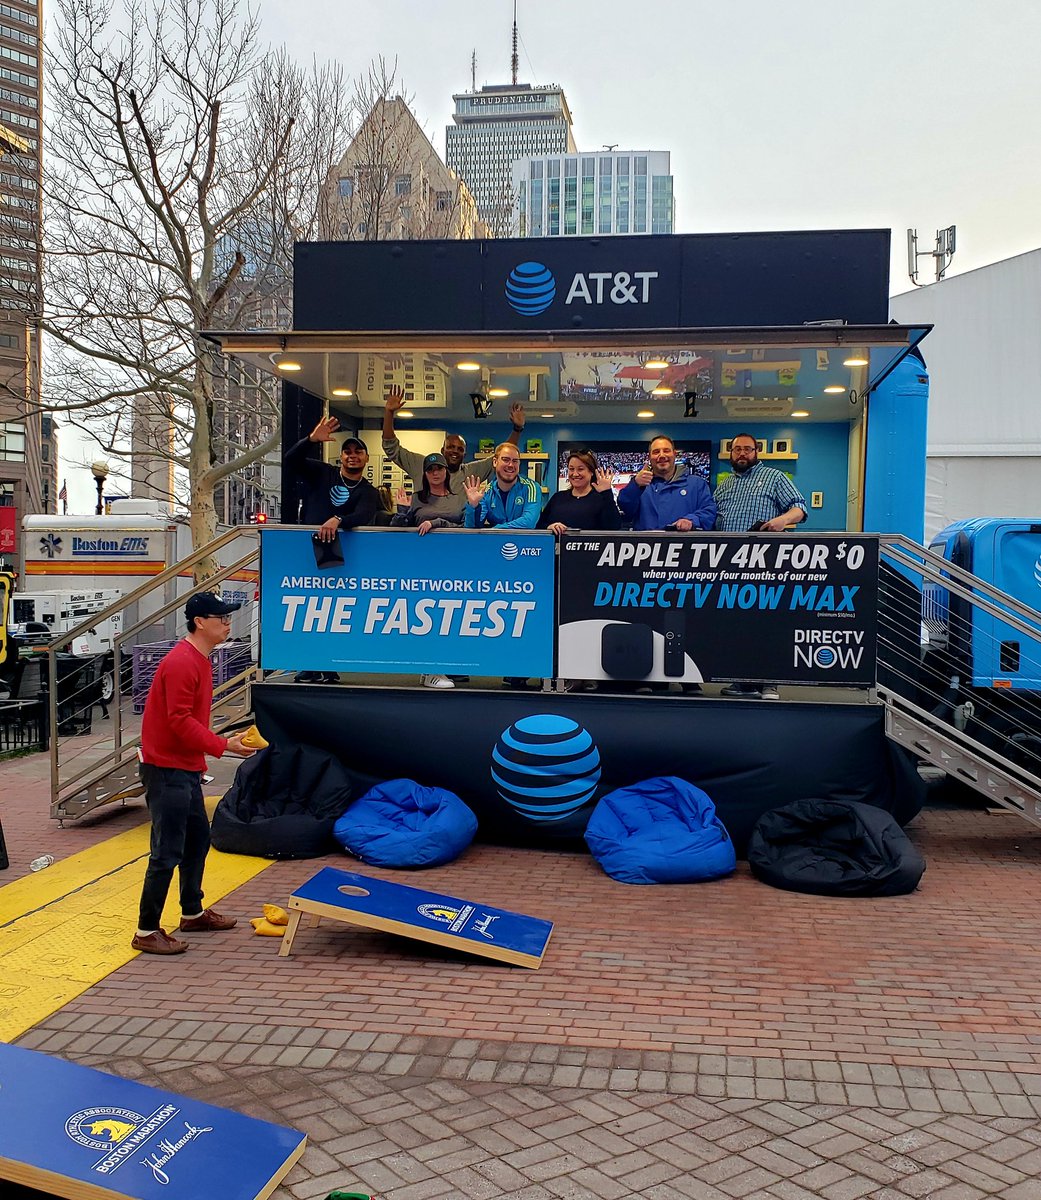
pixel 624 459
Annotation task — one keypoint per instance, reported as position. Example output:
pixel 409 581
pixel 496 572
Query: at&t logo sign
pixel 531 288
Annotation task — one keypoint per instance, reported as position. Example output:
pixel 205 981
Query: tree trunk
pixel 201 476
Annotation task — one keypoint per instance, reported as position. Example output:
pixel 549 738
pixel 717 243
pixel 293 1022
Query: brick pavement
pixel 724 1040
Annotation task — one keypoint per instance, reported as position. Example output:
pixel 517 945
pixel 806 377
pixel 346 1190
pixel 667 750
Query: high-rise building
pixel 575 195
pixel 496 126
pixel 21 97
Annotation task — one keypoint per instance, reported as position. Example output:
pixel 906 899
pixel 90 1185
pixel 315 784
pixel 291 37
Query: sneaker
pixel 770 692
pixel 743 691
pixel 207 922
pixel 306 677
pixel 329 677
pixel 158 943
pixel 436 681
pixel 691 689
pixel 515 682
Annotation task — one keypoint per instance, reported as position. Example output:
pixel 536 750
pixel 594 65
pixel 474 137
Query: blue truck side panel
pixel 1005 552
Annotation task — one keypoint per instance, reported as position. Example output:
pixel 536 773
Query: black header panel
pixel 677 281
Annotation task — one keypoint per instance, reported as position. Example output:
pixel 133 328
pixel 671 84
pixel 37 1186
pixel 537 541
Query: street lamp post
pixel 99 470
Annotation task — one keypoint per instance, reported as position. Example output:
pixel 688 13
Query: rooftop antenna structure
pixel 513 56
pixel 941 254
pixel 473 71
pixel 610 145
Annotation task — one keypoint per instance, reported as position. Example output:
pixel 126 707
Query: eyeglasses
pixel 225 619
pixel 743 449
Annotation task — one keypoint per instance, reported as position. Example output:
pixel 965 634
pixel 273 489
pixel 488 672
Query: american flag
pixel 63 496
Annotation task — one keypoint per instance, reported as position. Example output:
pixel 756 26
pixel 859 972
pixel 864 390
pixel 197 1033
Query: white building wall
pixel 984 360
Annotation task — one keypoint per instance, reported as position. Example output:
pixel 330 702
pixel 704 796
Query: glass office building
pixel 575 195
pixel 495 127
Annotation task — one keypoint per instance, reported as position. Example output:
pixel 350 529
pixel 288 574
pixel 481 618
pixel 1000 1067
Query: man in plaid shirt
pixel 755 497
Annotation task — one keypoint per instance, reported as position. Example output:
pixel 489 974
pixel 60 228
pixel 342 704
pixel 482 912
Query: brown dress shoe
pixel 158 943
pixel 207 922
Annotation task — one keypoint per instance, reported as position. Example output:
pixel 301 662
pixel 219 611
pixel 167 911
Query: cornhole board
pixel 411 912
pixel 83 1134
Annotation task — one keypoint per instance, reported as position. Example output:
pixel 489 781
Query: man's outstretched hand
pixel 324 430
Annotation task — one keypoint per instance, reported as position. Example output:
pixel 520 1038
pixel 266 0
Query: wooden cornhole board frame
pixel 466 925
pixel 83 1134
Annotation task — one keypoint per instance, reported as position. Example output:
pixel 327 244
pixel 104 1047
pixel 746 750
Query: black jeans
pixel 180 838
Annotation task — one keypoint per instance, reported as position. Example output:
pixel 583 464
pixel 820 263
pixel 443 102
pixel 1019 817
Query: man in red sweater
pixel 175 739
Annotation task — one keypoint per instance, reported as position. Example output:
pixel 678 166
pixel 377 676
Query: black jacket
pixel 319 501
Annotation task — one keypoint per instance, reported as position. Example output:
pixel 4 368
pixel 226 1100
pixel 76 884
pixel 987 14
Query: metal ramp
pixel 90 770
pixel 930 711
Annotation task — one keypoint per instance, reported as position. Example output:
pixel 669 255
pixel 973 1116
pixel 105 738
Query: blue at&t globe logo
pixel 545 767
pixel 530 288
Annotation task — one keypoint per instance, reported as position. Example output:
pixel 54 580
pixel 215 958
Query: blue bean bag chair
pixel 403 824
pixel 662 830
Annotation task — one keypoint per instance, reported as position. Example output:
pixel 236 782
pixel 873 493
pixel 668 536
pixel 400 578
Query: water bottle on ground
pixel 39 864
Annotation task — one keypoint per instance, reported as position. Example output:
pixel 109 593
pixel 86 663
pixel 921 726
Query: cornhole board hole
pixel 411 912
pixel 71 1131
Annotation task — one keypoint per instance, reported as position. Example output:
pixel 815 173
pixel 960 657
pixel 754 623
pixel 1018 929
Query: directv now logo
pixel 531 288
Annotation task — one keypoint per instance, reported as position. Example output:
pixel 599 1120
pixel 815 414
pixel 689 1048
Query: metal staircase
pixel 966 733
pixel 87 770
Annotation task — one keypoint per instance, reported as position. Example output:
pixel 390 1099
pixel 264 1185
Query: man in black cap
pixel 175 739
pixel 334 498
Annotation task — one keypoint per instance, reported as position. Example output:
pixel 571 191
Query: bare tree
pixel 183 162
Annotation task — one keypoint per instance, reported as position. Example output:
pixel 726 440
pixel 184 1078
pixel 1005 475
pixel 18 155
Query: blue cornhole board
pixel 86 1135
pixel 411 912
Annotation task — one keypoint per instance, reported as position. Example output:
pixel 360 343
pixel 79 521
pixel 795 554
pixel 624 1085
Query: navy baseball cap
pixel 348 442
pixel 434 460
pixel 206 604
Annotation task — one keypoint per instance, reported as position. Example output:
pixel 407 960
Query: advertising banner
pixel 691 607
pixel 454 603
pixel 8 530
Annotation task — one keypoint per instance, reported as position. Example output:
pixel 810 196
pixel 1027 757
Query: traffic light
pixel 260 518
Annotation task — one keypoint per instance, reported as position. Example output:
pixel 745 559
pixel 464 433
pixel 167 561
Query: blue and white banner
pixel 452 602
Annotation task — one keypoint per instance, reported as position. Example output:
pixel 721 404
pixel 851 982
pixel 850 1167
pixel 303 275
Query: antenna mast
pixel 473 71
pixel 513 57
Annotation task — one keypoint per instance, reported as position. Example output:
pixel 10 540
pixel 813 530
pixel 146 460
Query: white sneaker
pixel 436 681
pixel 769 692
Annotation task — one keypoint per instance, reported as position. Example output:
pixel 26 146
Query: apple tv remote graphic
pixel 675 654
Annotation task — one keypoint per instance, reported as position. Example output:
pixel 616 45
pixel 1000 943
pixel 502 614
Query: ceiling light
pixel 834 389
pixel 548 415
pixel 468 365
pixel 656 364
pixel 661 390
pixel 645 414
pixel 856 361
pixel 498 391
pixel 342 391
pixel 283 363
pixel 406 413
pixel 801 413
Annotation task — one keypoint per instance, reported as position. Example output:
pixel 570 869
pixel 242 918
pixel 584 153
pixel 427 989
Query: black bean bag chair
pixel 283 803
pixel 834 848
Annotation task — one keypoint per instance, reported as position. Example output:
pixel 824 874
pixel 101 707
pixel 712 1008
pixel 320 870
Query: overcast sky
pixel 798 115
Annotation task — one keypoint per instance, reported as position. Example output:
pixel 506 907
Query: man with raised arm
pixel 454 449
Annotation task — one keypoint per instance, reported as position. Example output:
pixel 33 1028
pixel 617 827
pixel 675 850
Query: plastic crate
pixel 230 660
pixel 145 660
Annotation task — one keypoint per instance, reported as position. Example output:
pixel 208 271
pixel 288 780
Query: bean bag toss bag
pixel 834 848
pixel 400 823
pixel 283 803
pixel 662 830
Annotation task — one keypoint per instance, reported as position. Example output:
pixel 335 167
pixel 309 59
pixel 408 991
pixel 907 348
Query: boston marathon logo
pixel 531 288
pixel 102 1128
pixel 827 648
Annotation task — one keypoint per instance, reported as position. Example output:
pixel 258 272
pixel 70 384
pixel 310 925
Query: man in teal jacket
pixel 511 500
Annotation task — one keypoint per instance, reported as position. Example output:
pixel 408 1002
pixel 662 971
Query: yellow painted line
pixel 65 929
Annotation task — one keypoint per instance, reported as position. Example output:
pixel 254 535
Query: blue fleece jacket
pixel 664 501
pixel 521 510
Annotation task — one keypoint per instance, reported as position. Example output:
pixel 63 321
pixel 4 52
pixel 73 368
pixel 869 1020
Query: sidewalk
pixel 727 1040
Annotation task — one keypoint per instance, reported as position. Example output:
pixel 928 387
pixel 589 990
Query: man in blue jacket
pixel 511 500
pixel 662 496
